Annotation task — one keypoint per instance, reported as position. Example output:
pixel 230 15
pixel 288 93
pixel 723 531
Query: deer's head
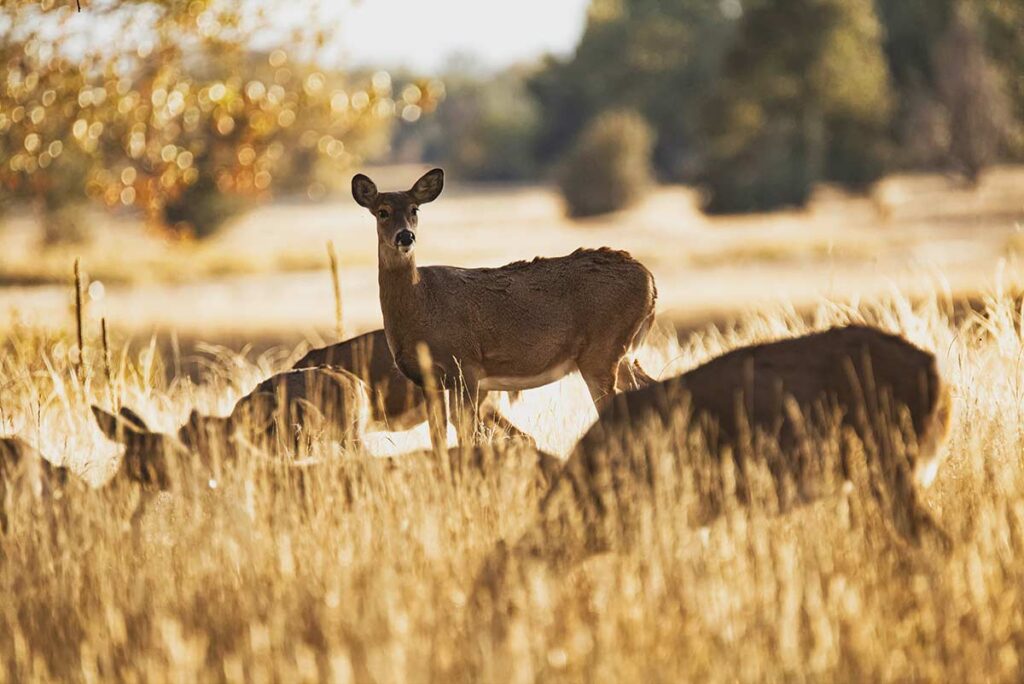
pixel 396 212
pixel 206 434
pixel 146 452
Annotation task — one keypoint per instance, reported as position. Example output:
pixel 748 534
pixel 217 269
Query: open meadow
pixel 366 571
pixel 374 341
pixel 264 281
pixel 363 566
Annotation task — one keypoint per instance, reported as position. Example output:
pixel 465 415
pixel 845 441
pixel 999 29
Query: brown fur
pixel 513 327
pixel 394 400
pixel 23 468
pixel 847 366
pixel 764 401
pixel 397 403
pixel 290 409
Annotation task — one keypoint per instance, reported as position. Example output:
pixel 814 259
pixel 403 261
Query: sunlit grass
pixel 368 575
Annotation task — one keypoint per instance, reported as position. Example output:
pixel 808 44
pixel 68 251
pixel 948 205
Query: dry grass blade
pixel 106 363
pixel 437 421
pixel 336 283
pixel 78 321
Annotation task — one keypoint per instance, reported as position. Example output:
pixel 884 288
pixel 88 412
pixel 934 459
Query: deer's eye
pixel 382 214
pixel 415 211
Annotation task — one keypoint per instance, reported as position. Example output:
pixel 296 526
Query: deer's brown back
pixel 852 368
pixel 305 399
pixel 526 317
pixel 598 500
pixel 862 376
pixel 368 357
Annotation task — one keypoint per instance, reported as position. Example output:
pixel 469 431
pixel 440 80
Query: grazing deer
pixel 291 408
pixel 515 327
pixel 23 468
pixel 396 402
pixel 863 381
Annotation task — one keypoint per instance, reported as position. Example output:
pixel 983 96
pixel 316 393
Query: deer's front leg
pixel 464 398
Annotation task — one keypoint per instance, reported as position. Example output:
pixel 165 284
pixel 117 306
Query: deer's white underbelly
pixel 525 382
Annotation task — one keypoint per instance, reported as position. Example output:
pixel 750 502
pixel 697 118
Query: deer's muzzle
pixel 404 240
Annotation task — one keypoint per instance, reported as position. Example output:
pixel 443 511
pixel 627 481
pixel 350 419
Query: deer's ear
pixel 364 190
pixel 428 187
pixel 106 421
pixel 132 417
pixel 114 427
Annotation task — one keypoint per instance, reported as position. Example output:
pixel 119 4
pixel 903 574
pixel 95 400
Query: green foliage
pixel 609 167
pixel 658 58
pixel 774 165
pixel 788 113
pixel 1003 33
pixel 943 64
pixel 763 98
pixel 973 93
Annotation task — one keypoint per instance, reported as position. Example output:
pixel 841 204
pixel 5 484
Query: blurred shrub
pixel 609 167
pixel 201 209
pixel 774 164
pixel 498 147
pixel 177 110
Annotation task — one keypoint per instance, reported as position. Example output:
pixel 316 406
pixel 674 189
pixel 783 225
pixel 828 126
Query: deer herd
pixel 468 331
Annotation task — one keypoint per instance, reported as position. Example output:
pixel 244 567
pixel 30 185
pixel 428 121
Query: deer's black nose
pixel 405 238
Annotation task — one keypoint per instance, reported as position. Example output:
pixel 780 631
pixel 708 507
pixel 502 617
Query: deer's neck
pixel 398 277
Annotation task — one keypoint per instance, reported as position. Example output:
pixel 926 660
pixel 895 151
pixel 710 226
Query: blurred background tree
pixel 198 107
pixel 786 113
pixel 973 92
pixel 657 58
pixel 762 99
pixel 947 59
pixel 484 130
pixel 178 114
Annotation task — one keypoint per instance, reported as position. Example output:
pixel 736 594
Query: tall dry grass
pixel 366 573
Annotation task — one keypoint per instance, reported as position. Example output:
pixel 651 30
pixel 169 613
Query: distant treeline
pixel 756 100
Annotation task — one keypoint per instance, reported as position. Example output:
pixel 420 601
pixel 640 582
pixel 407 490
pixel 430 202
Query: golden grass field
pixel 251 581
pixel 367 574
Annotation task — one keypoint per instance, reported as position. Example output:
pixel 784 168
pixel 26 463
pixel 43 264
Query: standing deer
pixel 864 382
pixel 291 408
pixel 396 402
pixel 515 327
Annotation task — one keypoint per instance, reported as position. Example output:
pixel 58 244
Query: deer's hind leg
pixel 599 366
pixel 491 417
